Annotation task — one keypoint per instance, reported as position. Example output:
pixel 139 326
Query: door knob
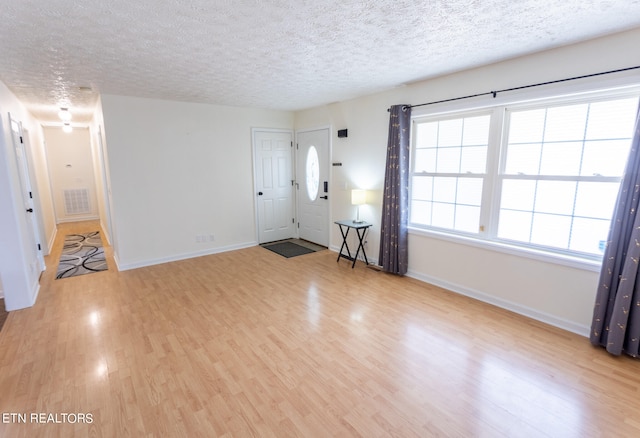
pixel 30 210
pixel 259 193
pixel 324 197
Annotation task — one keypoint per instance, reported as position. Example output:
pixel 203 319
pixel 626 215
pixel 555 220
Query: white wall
pixel 70 167
pixel 101 171
pixel 555 293
pixel 179 170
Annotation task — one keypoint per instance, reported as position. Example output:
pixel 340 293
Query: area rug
pixel 82 254
pixel 290 249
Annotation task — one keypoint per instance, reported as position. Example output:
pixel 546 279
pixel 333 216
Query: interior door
pixel 44 250
pixel 313 185
pixel 273 158
pixel 32 246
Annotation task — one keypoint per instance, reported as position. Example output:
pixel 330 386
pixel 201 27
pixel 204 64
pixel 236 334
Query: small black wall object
pixel 342 133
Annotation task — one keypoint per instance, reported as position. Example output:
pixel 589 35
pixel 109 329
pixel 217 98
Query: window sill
pixel 548 257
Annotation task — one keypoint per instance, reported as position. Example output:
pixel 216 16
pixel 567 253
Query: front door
pixel 313 185
pixel 273 152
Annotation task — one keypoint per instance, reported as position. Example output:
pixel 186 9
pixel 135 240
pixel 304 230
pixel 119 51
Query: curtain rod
pixel 495 93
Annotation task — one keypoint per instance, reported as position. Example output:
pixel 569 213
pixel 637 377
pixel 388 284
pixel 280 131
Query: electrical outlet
pixel 204 238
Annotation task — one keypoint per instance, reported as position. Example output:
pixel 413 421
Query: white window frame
pixel 563 94
pixel 486 177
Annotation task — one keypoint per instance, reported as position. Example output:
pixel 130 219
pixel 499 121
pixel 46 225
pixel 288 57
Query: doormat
pixel 289 249
pixel 82 254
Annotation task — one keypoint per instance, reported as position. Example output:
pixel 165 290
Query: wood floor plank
pixel 248 343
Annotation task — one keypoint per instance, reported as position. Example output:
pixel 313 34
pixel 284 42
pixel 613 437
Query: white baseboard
pixel 105 232
pixel 455 288
pixel 77 219
pixel 174 258
pixel 117 261
pixel 504 304
pixel 498 302
pixel 52 240
pixel 31 300
pixel 35 292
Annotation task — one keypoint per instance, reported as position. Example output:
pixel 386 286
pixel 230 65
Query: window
pixel 543 177
pixel 313 173
pixel 449 167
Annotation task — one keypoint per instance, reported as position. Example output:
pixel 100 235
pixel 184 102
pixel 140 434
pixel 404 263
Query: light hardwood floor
pixel 248 343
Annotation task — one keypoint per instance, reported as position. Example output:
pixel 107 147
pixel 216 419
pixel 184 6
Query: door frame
pixel 294 208
pixel 106 184
pixel 331 192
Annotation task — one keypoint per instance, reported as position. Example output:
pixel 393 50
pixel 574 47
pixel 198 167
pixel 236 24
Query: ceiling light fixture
pixel 64 114
pixel 67 127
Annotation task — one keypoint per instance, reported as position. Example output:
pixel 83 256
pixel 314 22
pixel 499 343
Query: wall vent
pixel 76 201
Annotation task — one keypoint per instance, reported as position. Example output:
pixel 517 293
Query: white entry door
pixel 313 185
pixel 32 247
pixel 273 158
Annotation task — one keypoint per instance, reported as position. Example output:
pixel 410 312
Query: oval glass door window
pixel 313 173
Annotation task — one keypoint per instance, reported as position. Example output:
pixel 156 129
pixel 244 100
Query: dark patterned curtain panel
pixel 395 204
pixel 616 314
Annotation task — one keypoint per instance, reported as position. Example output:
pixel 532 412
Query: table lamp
pixel 358 198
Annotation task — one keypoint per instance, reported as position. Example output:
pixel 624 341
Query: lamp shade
pixel 358 197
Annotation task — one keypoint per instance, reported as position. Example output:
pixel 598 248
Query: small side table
pixel 361 228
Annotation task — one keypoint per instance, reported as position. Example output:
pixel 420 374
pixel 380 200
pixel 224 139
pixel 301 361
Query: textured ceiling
pixel 283 54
